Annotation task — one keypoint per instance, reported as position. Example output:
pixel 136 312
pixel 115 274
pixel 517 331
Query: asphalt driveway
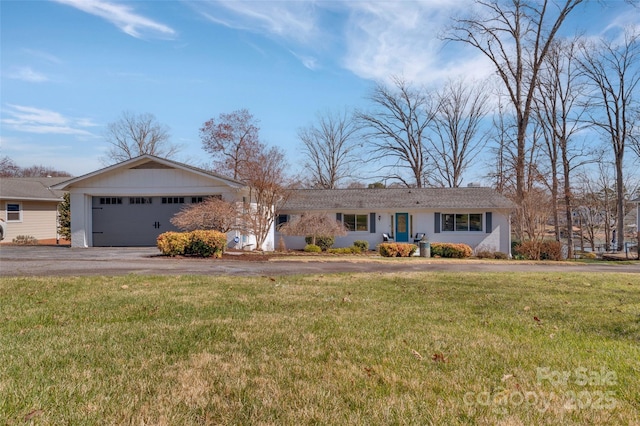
pixel 66 261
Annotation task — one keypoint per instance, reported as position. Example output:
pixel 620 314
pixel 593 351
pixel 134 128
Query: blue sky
pixel 69 67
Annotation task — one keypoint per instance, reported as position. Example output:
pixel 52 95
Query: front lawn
pixel 425 348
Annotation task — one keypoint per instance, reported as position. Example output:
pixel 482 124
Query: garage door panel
pixel 131 224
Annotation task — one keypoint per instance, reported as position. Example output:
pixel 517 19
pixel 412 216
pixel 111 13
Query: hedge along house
pixel 131 203
pixel 30 207
pixel 479 217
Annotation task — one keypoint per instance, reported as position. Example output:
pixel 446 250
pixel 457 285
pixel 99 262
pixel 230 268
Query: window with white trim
pixel 462 222
pixel 14 212
pixel 356 222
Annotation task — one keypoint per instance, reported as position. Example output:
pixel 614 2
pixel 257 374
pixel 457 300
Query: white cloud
pixel 402 38
pixel 27 74
pixel 35 120
pixel 121 16
pixel 293 20
pixel 376 39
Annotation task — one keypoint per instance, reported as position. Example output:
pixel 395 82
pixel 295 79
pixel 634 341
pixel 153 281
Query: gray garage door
pixel 133 221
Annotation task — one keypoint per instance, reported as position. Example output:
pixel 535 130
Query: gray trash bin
pixel 425 249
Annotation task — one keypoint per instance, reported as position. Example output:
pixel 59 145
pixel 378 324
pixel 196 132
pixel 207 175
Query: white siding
pixel 39 220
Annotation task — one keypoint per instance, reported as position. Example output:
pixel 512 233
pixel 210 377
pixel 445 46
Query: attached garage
pixel 131 203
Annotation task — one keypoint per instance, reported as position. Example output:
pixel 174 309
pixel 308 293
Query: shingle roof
pixel 396 198
pixel 31 188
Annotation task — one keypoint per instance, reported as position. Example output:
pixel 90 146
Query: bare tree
pixel 560 109
pixel 233 141
pixel 330 148
pixel 314 225
pixel 515 35
pixel 397 129
pixel 9 168
pixel 211 214
pixel 267 181
pixel 457 140
pixel 502 147
pixel 137 134
pixel 613 71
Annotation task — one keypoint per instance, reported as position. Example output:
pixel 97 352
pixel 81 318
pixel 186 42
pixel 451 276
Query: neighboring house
pixel 30 207
pixel 131 203
pixel 475 216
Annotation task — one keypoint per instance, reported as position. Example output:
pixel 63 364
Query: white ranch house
pixel 131 203
pixel 475 216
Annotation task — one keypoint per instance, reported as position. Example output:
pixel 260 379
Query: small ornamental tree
pixel 211 214
pixel 314 225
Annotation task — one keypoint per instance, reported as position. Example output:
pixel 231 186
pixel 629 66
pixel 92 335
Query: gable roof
pixel 151 161
pixel 31 188
pixel 396 198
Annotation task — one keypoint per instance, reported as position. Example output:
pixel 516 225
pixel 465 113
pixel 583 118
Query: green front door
pixel 402 227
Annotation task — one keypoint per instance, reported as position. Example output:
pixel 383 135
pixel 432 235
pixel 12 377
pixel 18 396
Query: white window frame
pixel 6 208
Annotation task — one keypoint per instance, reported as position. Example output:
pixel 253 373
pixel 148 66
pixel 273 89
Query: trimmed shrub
pixel 397 249
pixel 362 245
pixel 25 240
pixel 312 248
pixel 451 250
pixel 488 254
pixel 345 250
pixel 194 243
pixel 206 243
pixel 324 243
pixel 484 254
pixel 539 250
pixel 173 243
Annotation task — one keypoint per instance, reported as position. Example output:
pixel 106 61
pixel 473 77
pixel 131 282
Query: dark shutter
pixel 436 220
pixel 489 220
pixel 339 217
pixel 372 223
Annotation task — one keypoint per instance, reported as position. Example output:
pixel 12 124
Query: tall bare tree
pixel 397 130
pixel 136 134
pixel 269 189
pixel 560 108
pixel 515 35
pixel 233 141
pixel 331 149
pixel 9 168
pixel 457 139
pixel 613 70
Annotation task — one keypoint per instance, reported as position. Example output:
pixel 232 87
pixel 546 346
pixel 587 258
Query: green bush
pixel 324 243
pixel 345 250
pixel 451 250
pixel 397 249
pixel 194 243
pixel 362 245
pixel 25 240
pixel 539 250
pixel 312 248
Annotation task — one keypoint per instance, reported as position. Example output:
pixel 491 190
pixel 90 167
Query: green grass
pixel 428 348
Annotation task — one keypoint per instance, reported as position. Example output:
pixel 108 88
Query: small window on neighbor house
pixel 356 222
pixel 111 200
pixel 14 212
pixel 462 222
